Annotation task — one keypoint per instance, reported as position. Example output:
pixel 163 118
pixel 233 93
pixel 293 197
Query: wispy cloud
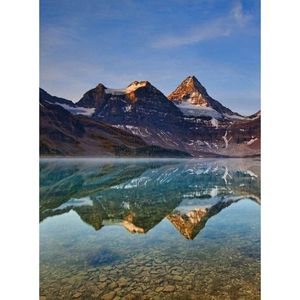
pixel 95 41
pixel 223 26
pixel 58 37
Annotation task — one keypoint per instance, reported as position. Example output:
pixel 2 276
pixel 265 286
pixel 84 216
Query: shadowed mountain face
pixel 69 133
pixel 140 194
pixel 44 96
pixel 189 121
pixel 139 104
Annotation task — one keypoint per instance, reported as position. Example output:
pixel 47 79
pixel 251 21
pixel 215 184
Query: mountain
pixel 192 98
pixel 73 134
pixel 188 121
pixel 139 195
pixel 66 104
pixel 55 100
pixel 140 109
pixel 138 104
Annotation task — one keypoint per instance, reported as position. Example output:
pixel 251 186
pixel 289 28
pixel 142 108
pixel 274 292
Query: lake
pixel 149 229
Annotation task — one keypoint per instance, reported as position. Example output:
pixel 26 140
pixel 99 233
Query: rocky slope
pixel 226 132
pixel 63 133
pixel 189 120
pixel 192 98
pixel 138 105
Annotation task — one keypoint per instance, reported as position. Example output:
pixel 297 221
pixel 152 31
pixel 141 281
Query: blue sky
pixel 85 42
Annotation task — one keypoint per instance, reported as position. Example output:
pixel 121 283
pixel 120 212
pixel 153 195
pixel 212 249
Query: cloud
pixel 238 15
pixel 57 40
pixel 220 27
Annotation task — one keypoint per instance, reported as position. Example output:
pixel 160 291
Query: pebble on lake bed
pixel 169 288
pixel 108 296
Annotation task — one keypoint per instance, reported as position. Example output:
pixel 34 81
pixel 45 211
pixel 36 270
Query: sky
pixel 114 42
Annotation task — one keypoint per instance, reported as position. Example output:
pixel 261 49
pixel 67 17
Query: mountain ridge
pixel 65 134
pixel 189 120
pixel 100 89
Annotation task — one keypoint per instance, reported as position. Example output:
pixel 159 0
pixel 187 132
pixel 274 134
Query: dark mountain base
pixel 64 134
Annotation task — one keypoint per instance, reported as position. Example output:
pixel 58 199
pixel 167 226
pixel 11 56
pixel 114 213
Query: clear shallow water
pixel 134 229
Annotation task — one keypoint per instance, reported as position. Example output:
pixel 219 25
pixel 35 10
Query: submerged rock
pixel 169 288
pixel 76 295
pixel 109 296
pixel 122 282
pixel 177 278
pixel 159 289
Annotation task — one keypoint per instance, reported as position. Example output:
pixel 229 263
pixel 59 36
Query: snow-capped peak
pixel 135 85
pixel 130 88
pixel 191 92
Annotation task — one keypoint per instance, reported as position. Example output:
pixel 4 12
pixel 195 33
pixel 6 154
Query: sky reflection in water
pixel 172 229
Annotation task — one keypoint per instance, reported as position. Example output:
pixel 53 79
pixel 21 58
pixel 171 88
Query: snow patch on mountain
pixel 135 85
pixel 237 117
pixel 137 130
pixel 189 109
pixel 77 110
pixel 224 137
pixel 128 108
pixel 115 92
pixel 207 144
pixel 131 88
pixel 251 141
pixel 214 123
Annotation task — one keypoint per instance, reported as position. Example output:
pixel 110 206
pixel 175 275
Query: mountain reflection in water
pixel 149 229
pixel 139 194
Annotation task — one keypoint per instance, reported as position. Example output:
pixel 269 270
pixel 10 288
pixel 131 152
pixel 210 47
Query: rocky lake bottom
pixel 183 229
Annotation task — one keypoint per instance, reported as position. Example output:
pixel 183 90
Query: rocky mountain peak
pixel 191 96
pixel 143 87
pixel 93 97
pixel 131 88
pixel 192 81
pixel 100 86
pixel 192 91
pixel 141 90
pixel 137 84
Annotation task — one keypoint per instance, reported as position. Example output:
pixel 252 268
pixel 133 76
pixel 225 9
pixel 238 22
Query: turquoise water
pixel 150 229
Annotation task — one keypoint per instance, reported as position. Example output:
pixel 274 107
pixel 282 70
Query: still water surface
pixel 149 229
